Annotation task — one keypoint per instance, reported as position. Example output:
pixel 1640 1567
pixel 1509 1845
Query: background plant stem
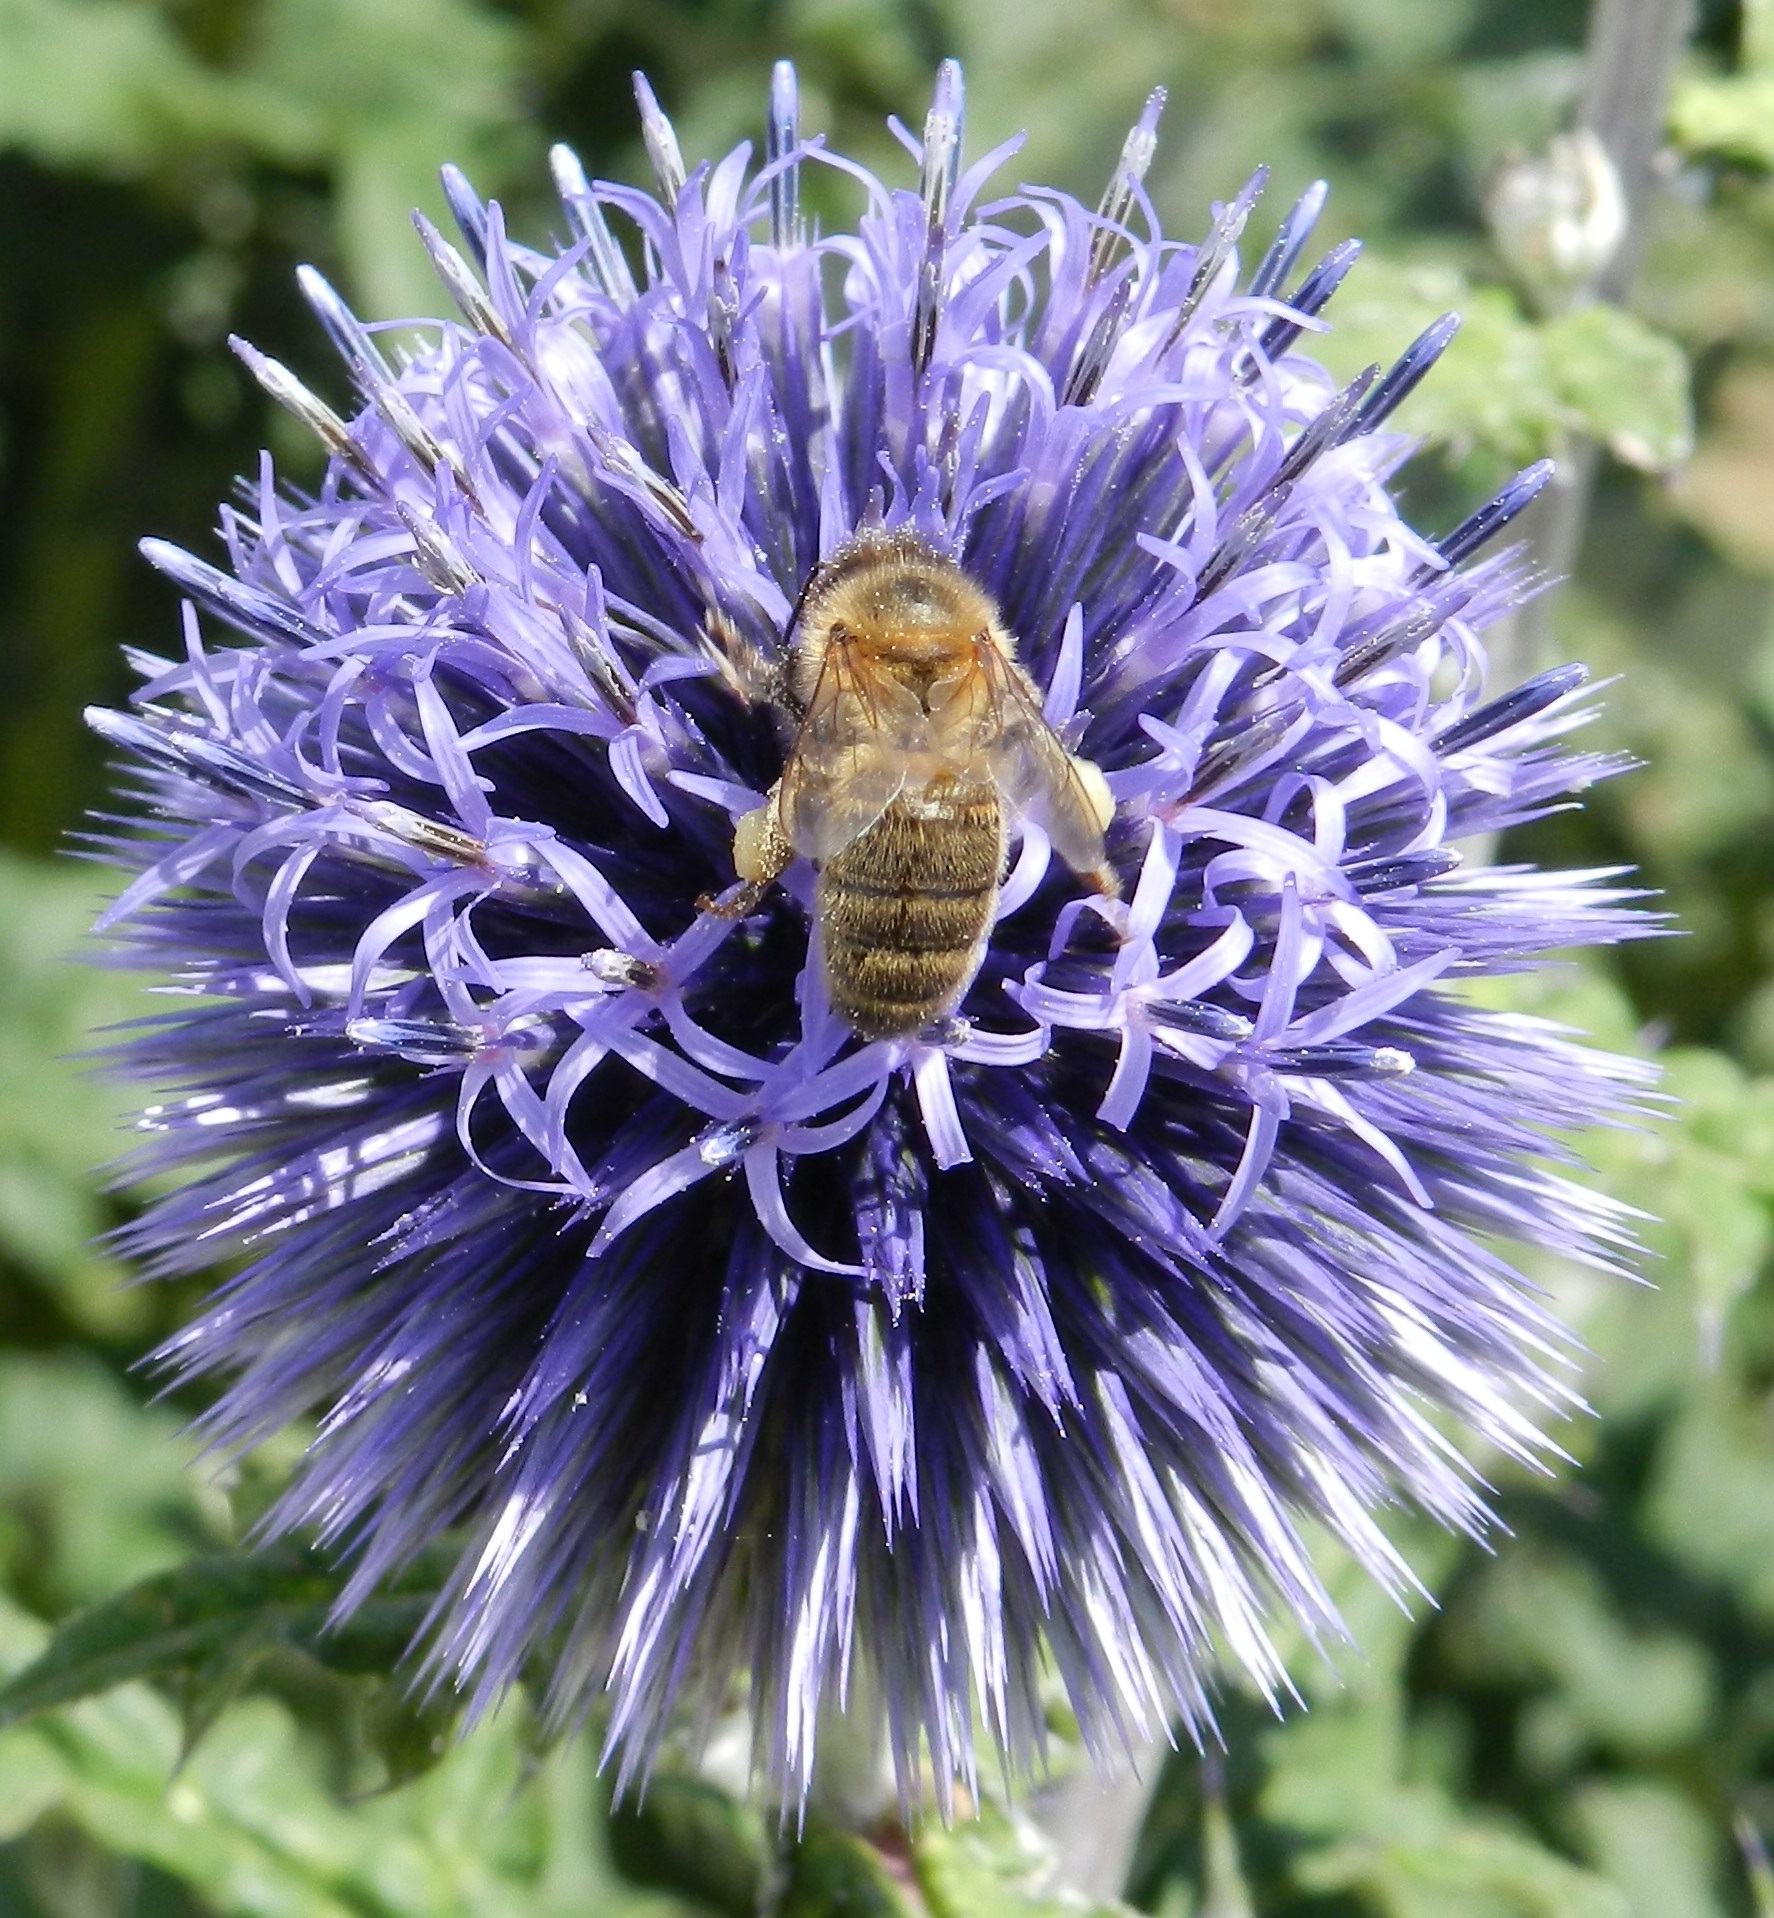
pixel 1629 58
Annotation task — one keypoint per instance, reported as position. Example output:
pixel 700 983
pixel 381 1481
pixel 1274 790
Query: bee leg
pixel 1096 790
pixel 761 850
pixel 744 665
pixel 1103 879
pixel 1111 908
pixel 735 902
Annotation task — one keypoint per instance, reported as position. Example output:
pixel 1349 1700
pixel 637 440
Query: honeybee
pixel 918 739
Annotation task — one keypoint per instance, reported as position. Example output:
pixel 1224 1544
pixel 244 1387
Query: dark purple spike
pixel 1332 426
pixel 346 331
pixel 1237 751
pixel 1324 279
pixel 604 256
pixel 468 210
pixel 1117 201
pixel 1197 1016
pixel 1315 291
pixel 782 140
pixel 1403 376
pixel 1490 519
pixel 1290 241
pixel 939 171
pixel 1216 250
pixel 1421 620
pixel 891 1195
pixel 927 309
pixel 1254 525
pixel 1533 696
pixel 423 1042
pixel 249 609
pixel 944 127
pixel 197 757
pixel 660 138
pixel 1093 356
pixel 1339 1060
pixel 1401 872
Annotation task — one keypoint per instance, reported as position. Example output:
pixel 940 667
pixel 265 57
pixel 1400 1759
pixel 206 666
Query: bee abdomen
pixel 905 909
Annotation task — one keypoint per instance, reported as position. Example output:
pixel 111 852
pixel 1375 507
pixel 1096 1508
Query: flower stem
pixel 1629 58
pixel 1095 1823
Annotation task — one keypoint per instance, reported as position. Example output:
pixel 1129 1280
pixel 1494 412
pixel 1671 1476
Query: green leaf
pixel 1654 1841
pixel 109 85
pixel 252 1825
pixel 204 1689
pixel 1733 116
pixel 689 1836
pixel 1464 1870
pixel 834 1874
pixel 207 1615
pixel 1707 1170
pixel 1512 386
pixel 1543 1619
pixel 59 1117
pixel 407 1731
pixel 1363 1816
pixel 1492 390
pixel 379 96
pixel 1708 1502
pixel 96 1490
pixel 1623 383
pixel 994 1865
pixel 1224 1891
pixel 401 87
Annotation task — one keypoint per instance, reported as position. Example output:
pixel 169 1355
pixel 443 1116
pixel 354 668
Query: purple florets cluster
pixel 905 1371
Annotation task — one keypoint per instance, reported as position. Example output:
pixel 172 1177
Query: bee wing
pixel 847 763
pixel 1040 779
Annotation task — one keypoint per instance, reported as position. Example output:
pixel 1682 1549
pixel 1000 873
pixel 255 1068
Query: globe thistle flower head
pixel 904 1374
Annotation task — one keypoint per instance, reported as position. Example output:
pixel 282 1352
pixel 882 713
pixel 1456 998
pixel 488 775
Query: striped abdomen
pixel 905 908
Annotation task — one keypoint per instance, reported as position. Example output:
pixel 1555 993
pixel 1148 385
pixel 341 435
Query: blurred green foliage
pixel 1581 1725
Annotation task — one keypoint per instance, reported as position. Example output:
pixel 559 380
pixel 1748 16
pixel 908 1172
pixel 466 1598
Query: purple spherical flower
pixel 903 1370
